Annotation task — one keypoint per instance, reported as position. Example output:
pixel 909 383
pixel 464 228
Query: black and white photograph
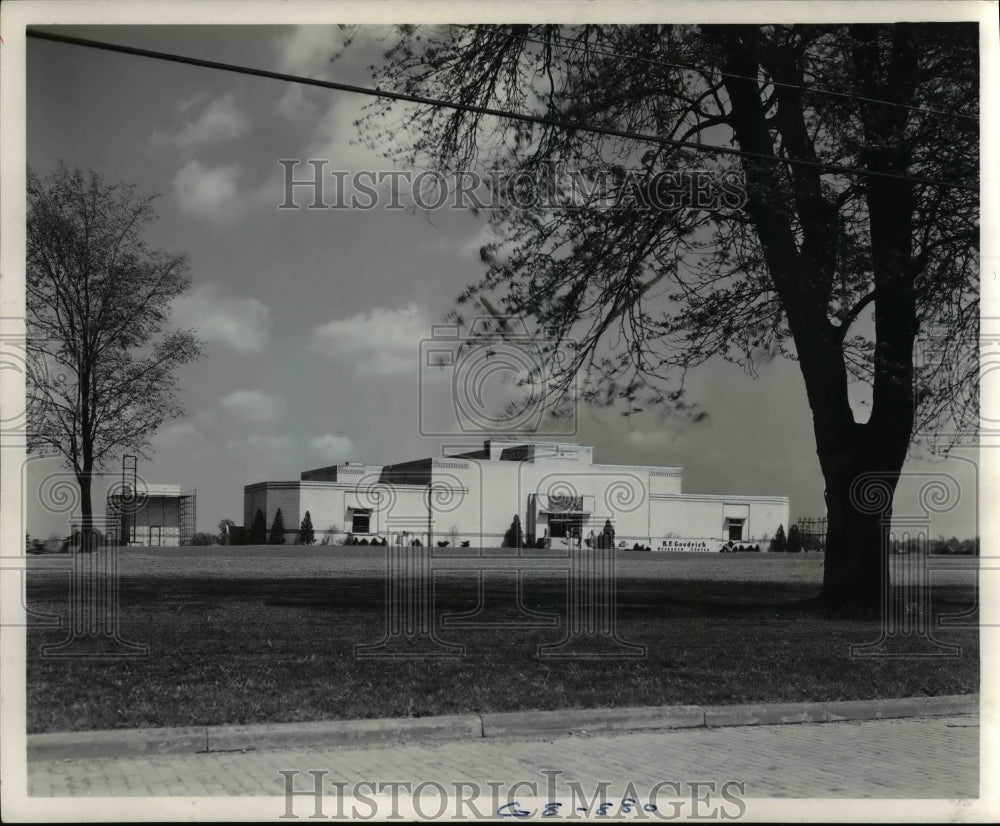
pixel 468 411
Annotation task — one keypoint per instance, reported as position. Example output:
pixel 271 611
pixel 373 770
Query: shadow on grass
pixel 244 650
pixel 637 597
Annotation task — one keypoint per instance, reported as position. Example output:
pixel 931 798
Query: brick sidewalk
pixel 901 758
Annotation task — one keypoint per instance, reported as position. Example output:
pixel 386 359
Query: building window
pixel 361 520
pixel 735 529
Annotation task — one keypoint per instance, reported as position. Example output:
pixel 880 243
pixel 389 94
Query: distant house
pixel 154 515
pixel 556 489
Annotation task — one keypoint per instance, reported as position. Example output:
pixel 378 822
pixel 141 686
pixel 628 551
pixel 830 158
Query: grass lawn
pixel 245 635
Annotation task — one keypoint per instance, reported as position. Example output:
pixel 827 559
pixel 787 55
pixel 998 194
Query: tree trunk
pixel 861 463
pixel 859 508
pixel 861 466
pixel 88 536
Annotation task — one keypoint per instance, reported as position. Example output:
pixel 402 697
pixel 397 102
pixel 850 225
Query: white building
pixel 556 489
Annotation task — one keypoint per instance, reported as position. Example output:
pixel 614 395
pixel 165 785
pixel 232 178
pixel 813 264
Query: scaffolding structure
pixel 157 515
pixel 149 514
pixel 813 532
pixel 188 517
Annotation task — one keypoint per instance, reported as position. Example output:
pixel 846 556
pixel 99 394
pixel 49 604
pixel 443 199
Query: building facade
pixel 555 489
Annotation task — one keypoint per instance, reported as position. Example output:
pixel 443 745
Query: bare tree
pixel 833 217
pixel 101 375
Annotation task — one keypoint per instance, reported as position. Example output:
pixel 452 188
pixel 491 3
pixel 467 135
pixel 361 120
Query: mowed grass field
pixel 269 634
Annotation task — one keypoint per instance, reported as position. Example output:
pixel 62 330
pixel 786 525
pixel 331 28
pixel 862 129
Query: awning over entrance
pixel 565 505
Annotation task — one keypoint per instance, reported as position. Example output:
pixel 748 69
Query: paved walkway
pixel 902 758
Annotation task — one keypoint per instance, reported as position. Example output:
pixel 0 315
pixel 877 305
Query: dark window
pixel 361 520
pixel 563 526
pixel 736 530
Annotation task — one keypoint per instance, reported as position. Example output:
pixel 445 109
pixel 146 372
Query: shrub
pixel 514 538
pixel 443 543
pixel 416 543
pixel 363 542
pixel 307 536
pixel 258 530
pixel 277 536
pixel 203 539
pixel 794 540
pixel 607 537
pixel 466 544
pixel 779 544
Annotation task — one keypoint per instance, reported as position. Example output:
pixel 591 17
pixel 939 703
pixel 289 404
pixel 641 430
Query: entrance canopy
pixel 565 505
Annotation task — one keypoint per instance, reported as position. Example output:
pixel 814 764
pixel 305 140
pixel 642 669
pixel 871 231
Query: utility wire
pixel 562 43
pixel 482 110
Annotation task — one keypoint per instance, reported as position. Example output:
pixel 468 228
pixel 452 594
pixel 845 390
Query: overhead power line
pixel 483 110
pixel 562 43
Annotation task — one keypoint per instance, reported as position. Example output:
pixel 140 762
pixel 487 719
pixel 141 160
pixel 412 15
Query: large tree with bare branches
pixel 101 368
pixel 844 225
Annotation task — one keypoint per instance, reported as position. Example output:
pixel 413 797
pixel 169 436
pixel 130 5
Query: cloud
pixel 322 51
pixel 658 438
pixel 237 322
pixel 279 444
pixel 324 123
pixel 207 193
pixel 177 434
pixel 337 137
pixel 382 342
pixel 333 447
pixel 306 50
pixel 253 406
pixel 264 457
pixel 220 120
pixel 295 106
pixel 190 102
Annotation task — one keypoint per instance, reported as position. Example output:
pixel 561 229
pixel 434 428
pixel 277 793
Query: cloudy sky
pixel 313 319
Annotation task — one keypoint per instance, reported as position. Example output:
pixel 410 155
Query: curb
pixel 343 732
pixel 77 745
pixel 136 742
pixel 592 719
